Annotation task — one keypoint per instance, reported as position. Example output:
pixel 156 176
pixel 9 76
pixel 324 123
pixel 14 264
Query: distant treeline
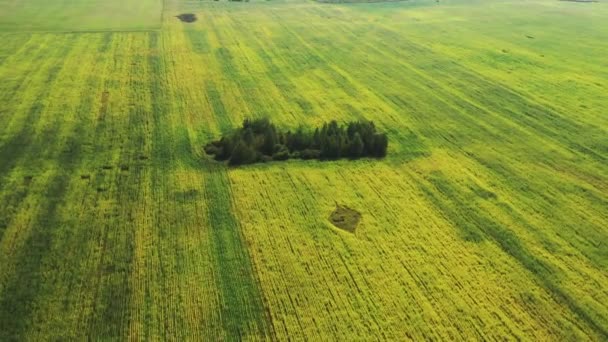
pixel 260 141
pixel 365 1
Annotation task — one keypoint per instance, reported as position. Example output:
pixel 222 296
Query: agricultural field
pixel 80 15
pixel 487 220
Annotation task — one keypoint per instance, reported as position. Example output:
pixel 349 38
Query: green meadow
pixel 80 15
pixel 487 220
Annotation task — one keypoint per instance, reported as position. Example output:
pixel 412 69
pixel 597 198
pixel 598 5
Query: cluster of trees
pixel 260 141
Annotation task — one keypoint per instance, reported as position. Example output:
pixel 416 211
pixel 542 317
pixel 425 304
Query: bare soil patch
pixel 345 218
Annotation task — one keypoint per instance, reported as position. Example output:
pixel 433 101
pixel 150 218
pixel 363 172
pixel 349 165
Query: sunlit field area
pixel 487 219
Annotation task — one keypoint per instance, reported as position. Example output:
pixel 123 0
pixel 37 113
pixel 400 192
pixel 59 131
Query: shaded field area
pixel 487 219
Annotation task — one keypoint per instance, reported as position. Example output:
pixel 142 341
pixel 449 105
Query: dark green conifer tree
pixel 356 146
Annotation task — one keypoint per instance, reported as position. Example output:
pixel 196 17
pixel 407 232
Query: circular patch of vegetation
pixel 187 17
pixel 345 218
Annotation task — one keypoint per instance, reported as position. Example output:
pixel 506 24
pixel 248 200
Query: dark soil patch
pixel 187 17
pixel 345 218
